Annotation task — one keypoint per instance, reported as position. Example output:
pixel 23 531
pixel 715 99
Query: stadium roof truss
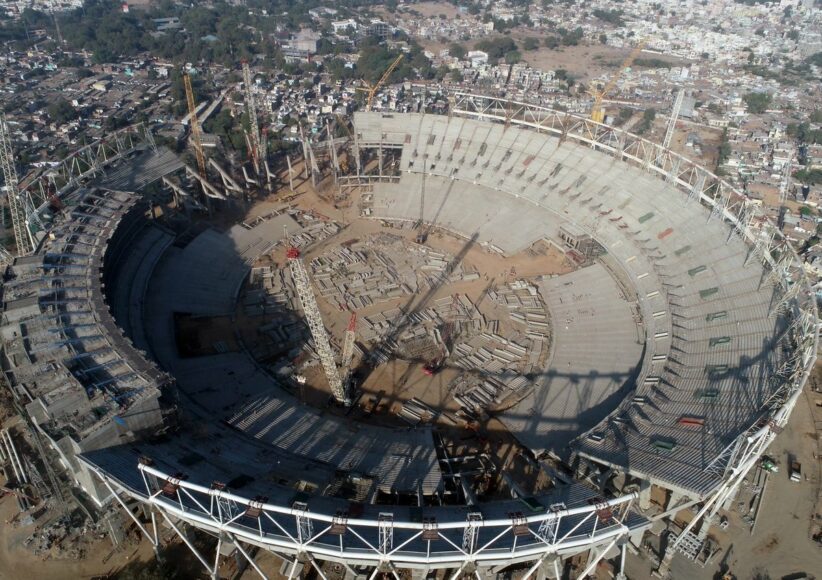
pixel 86 162
pixel 384 542
pixel 723 202
pixel 467 540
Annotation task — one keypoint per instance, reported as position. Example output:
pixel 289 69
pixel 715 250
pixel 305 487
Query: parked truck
pixel 796 471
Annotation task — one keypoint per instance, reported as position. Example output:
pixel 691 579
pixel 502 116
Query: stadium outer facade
pixel 471 539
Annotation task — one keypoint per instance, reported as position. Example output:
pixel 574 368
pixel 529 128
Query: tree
pixel 457 50
pixel 497 47
pixel 61 111
pixel 530 43
pixel 603 38
pixel 648 117
pixel 513 57
pixel 757 103
pixel 724 151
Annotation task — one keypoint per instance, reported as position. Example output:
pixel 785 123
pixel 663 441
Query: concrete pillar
pixel 675 498
pixel 550 569
pixel 645 494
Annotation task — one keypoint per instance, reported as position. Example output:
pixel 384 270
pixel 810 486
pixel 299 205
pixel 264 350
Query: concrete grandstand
pixel 677 348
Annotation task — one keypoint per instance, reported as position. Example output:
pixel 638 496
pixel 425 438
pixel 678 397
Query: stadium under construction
pixel 508 339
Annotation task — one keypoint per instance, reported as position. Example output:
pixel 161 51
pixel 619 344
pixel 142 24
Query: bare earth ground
pixel 17 562
pixel 429 9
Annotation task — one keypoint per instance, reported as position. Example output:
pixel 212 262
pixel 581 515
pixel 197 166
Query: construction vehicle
pixel 372 89
pixel 597 112
pixel 768 464
pixel 796 471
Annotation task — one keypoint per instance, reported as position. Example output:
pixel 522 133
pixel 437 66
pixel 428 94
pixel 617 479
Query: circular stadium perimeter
pixel 676 355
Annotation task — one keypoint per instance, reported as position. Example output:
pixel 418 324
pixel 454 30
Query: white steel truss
pixel 383 541
pixel 22 236
pixel 91 160
pixel 723 202
pixel 669 134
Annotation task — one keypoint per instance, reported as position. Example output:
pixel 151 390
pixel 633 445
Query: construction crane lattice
pixel 22 238
pixel 195 126
pixel 315 324
pixel 251 105
pixel 372 90
pixel 669 134
pixel 597 114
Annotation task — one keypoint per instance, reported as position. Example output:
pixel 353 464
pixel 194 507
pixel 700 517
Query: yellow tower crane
pixel 597 112
pixel 195 125
pixel 372 89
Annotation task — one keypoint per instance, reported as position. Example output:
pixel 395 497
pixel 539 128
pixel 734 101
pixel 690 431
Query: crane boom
pixel 22 237
pixel 372 90
pixel 348 343
pixel 195 125
pixel 315 323
pixel 597 113
pixel 251 105
pixel 669 134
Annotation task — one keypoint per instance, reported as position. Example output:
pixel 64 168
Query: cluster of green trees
pixel 498 47
pixel 644 125
pixel 809 176
pixel 219 32
pixel 531 43
pixel 612 16
pixel 803 132
pixel 375 59
pixel 60 111
pixel 457 50
pixel 723 153
pixel 564 37
pixel 652 63
pixel 757 103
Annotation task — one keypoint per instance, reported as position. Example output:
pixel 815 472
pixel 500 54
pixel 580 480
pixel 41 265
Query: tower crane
pixel 22 236
pixel 372 89
pixel 348 350
pixel 597 113
pixel 195 125
pixel 669 134
pixel 315 323
pixel 251 106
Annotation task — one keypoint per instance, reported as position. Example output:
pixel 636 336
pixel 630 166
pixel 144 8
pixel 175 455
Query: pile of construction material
pixel 270 290
pixel 381 267
pixel 490 353
pixel 477 394
pixel 314 229
pixel 527 312
pixel 415 412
